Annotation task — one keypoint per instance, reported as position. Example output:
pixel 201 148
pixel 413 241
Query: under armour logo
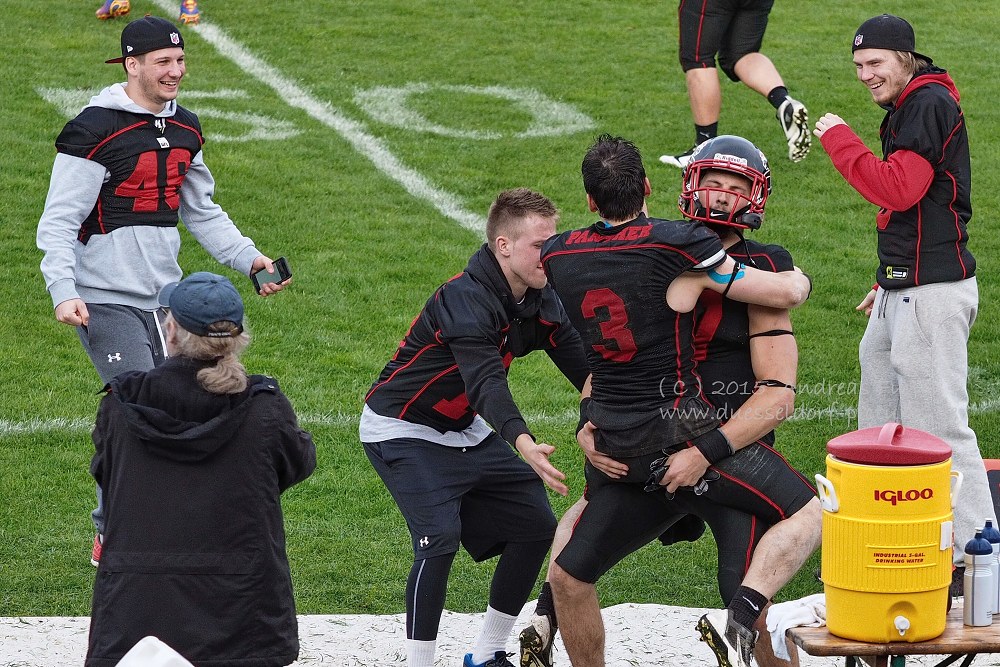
pixel 424 541
pixel 117 356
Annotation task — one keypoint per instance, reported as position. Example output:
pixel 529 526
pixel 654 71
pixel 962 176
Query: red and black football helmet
pixel 735 155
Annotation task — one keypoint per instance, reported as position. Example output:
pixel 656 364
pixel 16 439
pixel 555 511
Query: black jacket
pixel 453 361
pixel 194 549
pixel 927 243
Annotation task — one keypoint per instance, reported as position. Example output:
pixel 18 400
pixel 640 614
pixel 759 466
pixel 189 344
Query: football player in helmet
pixel 726 183
pixel 747 361
pixel 747 355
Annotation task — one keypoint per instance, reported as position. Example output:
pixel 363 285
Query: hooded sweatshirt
pixel 121 178
pixel 194 549
pixel 452 364
pixel 922 185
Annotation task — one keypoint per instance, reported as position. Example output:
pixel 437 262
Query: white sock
pixel 420 653
pixel 493 635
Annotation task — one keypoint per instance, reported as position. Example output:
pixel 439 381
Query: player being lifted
pixel 747 361
pixel 629 284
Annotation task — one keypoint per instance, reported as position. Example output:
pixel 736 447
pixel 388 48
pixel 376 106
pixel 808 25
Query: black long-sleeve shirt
pixel 452 364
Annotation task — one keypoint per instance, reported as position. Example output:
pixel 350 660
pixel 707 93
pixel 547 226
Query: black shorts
pixel 480 497
pixel 756 487
pixel 728 28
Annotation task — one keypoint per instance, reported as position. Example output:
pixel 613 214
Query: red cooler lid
pixel 889 445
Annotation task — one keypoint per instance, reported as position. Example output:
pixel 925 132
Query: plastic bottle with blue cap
pixel 978 605
pixel 992 535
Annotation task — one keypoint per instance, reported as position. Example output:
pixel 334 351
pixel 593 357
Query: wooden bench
pixel 958 642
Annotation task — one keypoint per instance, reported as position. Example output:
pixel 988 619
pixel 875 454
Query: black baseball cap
pixel 150 33
pixel 202 299
pixel 886 32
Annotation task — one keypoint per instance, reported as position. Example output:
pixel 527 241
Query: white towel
pixel 809 611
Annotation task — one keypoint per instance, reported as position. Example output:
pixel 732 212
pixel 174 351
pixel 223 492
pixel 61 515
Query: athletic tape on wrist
pixel 713 445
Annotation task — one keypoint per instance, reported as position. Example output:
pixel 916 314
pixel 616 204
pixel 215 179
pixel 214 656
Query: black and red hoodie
pixel 452 364
pixel 922 185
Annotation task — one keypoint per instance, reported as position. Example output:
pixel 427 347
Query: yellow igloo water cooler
pixel 887 534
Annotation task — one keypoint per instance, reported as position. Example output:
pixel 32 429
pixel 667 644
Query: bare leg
pixel 580 619
pixel 704 94
pixel 536 639
pixel 564 531
pixel 784 549
pixel 758 73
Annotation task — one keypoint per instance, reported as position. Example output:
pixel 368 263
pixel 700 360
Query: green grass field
pixel 364 141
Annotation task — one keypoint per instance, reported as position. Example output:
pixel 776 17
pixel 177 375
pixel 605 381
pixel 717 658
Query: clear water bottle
pixel 992 535
pixel 978 609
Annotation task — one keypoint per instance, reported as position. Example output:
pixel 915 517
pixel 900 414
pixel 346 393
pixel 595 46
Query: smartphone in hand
pixel 280 275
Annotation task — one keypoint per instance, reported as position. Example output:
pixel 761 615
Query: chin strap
pixel 746 248
pixel 729 219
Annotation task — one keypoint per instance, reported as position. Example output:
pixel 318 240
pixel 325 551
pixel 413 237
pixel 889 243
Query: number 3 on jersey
pixel 609 309
pixel 149 184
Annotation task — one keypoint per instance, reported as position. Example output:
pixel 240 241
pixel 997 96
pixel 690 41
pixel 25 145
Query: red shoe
pixel 95 553
pixel 112 9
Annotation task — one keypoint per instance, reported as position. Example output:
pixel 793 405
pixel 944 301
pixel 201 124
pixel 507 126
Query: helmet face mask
pixel 730 155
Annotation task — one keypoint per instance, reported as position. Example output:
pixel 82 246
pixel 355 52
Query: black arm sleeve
pixel 569 357
pixel 486 386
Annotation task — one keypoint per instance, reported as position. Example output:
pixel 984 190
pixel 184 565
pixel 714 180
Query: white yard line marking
pixel 353 131
pixel 549 118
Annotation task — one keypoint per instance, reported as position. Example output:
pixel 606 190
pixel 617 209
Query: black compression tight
pixel 515 576
pixel 426 588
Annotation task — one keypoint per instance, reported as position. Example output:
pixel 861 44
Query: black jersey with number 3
pixel 147 156
pixel 613 282
pixel 722 336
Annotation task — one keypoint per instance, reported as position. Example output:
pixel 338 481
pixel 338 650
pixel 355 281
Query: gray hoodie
pixel 129 265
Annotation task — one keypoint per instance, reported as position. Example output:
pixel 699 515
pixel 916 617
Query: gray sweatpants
pixel 914 371
pixel 122 338
pixel 119 339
